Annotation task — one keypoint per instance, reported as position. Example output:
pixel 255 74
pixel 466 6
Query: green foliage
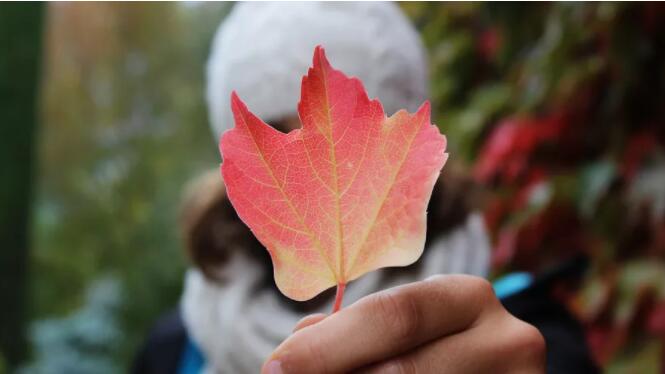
pixel 124 127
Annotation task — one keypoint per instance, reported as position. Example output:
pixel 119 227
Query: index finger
pixel 385 324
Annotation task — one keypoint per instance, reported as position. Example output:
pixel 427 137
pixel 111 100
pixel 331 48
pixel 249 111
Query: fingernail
pixel 273 367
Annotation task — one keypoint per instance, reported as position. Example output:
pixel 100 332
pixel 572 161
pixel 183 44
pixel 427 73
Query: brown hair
pixel 210 227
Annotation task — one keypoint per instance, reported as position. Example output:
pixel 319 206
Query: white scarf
pixel 237 326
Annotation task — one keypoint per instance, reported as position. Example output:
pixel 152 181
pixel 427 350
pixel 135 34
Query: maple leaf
pixel 345 194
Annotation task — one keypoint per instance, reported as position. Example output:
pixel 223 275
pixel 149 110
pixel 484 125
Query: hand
pixel 448 323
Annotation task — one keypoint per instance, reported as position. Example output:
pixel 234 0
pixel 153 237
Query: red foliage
pixel 489 43
pixel 504 249
pixel 656 320
pixel 638 149
pixel 507 151
pixel 580 173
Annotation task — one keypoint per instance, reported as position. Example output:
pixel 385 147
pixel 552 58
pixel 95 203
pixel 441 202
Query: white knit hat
pixel 262 50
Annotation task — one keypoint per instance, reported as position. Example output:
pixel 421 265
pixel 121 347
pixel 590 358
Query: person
pixel 437 315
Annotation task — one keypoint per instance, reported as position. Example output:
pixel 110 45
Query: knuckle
pixel 398 312
pixel 479 294
pixel 521 343
pixel 481 288
pixel 529 341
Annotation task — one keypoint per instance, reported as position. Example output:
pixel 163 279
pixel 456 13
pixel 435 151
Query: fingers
pixel 512 347
pixel 387 324
pixel 309 320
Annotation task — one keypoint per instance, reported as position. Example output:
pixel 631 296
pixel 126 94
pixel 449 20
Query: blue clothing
pixel 192 360
pixel 512 283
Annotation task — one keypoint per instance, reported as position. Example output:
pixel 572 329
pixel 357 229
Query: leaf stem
pixel 339 296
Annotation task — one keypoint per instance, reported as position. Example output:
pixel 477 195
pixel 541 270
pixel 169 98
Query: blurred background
pixel 556 110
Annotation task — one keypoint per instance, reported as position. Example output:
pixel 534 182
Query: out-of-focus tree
pixel 20 52
pixel 558 109
pixel 124 127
